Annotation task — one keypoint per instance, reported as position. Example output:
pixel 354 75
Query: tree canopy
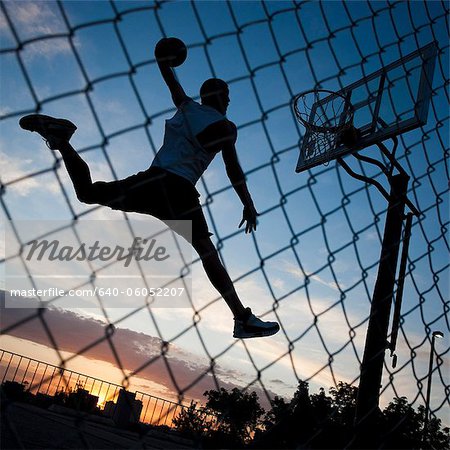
pixel 318 420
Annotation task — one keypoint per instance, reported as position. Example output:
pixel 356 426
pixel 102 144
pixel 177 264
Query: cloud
pixel 297 272
pixel 21 168
pixel 37 19
pixel 16 169
pixel 145 356
pixel 47 48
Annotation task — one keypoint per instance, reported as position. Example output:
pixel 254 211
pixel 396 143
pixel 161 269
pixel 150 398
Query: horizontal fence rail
pixel 38 377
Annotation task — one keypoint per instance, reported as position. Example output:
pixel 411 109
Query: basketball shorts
pixel 158 193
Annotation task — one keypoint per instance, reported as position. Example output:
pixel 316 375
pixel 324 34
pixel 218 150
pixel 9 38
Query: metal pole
pixel 435 334
pixel 376 339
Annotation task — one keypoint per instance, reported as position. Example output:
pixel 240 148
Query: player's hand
pixel 249 216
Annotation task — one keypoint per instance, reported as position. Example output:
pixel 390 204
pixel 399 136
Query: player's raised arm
pixel 171 52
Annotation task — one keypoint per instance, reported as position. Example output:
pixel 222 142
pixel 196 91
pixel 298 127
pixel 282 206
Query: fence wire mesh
pixel 313 261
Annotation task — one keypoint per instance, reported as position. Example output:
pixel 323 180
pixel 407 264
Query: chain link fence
pixel 311 265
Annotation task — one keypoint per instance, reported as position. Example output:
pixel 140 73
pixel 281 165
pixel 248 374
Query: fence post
pixel 376 339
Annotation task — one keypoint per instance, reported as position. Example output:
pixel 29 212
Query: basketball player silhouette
pixel 166 190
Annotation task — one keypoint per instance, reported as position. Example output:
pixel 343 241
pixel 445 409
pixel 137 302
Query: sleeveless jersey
pixel 181 153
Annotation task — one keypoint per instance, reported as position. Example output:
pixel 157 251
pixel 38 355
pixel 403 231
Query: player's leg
pixel 78 172
pixel 247 325
pixel 115 194
pixel 184 203
pixel 57 133
pixel 218 275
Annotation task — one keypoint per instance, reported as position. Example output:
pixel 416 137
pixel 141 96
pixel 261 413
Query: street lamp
pixel 439 335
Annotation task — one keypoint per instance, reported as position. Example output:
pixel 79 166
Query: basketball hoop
pixel 325 115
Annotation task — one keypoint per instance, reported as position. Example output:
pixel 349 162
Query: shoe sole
pixel 257 334
pixel 39 123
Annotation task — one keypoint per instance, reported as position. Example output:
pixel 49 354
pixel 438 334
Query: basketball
pixel 171 50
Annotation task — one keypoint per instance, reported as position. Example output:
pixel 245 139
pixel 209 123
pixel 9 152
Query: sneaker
pixel 52 130
pixel 251 327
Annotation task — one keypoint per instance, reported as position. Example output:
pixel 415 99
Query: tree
pixel 238 412
pixel 319 421
pixel 403 427
pixel 315 421
pixel 292 424
pixel 344 397
pixel 193 421
pixel 279 411
pixel 436 437
pixel 322 405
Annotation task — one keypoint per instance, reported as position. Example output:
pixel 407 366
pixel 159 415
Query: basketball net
pixel 325 115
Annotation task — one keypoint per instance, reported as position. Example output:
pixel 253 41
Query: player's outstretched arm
pixel 237 178
pixel 176 90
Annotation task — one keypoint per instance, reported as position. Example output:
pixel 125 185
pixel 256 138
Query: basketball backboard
pixel 386 103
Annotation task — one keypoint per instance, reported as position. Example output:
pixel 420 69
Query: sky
pixel 313 261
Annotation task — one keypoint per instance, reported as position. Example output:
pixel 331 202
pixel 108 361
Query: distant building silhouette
pixel 109 408
pixel 82 400
pixel 127 409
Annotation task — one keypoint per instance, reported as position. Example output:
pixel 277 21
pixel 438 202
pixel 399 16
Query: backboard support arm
pixel 373 161
pixel 360 177
pixel 390 155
